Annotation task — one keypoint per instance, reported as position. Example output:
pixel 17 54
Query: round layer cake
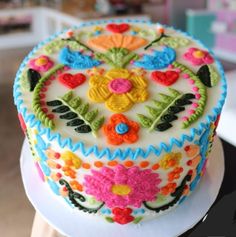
pixel 120 116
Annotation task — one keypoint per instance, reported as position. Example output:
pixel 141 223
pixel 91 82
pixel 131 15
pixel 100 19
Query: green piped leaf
pixel 163 112
pixel 109 219
pixel 97 123
pixel 152 111
pixel 90 116
pixel 117 57
pixel 83 109
pixel 145 121
pixel 75 102
pixel 68 96
pixel 137 219
pixel 86 121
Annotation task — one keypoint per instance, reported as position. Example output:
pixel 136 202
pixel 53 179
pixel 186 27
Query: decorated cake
pixel 120 116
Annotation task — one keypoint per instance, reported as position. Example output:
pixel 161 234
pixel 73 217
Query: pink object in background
pixel 226 40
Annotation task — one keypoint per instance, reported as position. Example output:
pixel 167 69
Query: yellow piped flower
pixel 170 160
pixel 119 89
pixel 71 160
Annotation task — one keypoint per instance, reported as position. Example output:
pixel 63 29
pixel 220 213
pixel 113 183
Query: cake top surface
pixel 120 88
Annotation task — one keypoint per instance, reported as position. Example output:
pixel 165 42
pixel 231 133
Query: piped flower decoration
pixel 119 129
pixel 119 89
pixel 41 63
pixel 198 57
pixel 122 187
pixel 105 42
pixel 170 160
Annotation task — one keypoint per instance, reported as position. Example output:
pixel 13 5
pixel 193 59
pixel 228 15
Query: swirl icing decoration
pixel 159 59
pixel 77 199
pixel 77 60
pixel 176 195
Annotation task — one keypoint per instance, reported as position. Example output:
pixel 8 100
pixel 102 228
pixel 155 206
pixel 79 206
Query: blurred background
pixel 25 23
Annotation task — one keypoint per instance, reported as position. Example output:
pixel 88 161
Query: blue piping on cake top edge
pixel 116 153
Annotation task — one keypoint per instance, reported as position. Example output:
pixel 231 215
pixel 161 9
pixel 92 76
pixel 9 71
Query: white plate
pixel 76 224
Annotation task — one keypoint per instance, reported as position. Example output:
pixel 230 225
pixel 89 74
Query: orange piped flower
pixel 175 174
pixel 105 42
pixel 76 185
pixel 119 129
pixel 168 189
pixel 69 172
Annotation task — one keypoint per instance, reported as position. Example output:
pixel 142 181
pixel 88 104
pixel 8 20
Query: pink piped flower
pixel 122 187
pixel 198 57
pixel 41 64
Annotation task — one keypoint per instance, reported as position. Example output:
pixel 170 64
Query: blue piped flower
pixel 77 60
pixel 160 59
pixel 122 128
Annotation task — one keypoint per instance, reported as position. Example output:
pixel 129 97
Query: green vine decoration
pixel 25 85
pixel 58 44
pixel 77 113
pixel 202 91
pixel 36 98
pixel 163 35
pixel 145 33
pixel 117 57
pixel 77 41
pixel 174 42
pixel 165 109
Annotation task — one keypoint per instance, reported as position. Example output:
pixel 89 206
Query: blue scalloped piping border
pixel 107 152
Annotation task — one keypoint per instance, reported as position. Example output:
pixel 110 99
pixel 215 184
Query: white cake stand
pixel 74 224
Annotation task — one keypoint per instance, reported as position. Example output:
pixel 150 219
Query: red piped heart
pixel 118 28
pixel 72 81
pixel 165 78
pixel 121 211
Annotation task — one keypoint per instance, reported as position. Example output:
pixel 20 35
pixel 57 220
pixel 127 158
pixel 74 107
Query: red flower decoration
pixel 122 215
pixel 119 129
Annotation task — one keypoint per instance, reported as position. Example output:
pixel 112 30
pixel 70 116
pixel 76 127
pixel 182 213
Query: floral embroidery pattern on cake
pixel 121 187
pixel 119 89
pixel 119 129
pixel 198 57
pixel 41 64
